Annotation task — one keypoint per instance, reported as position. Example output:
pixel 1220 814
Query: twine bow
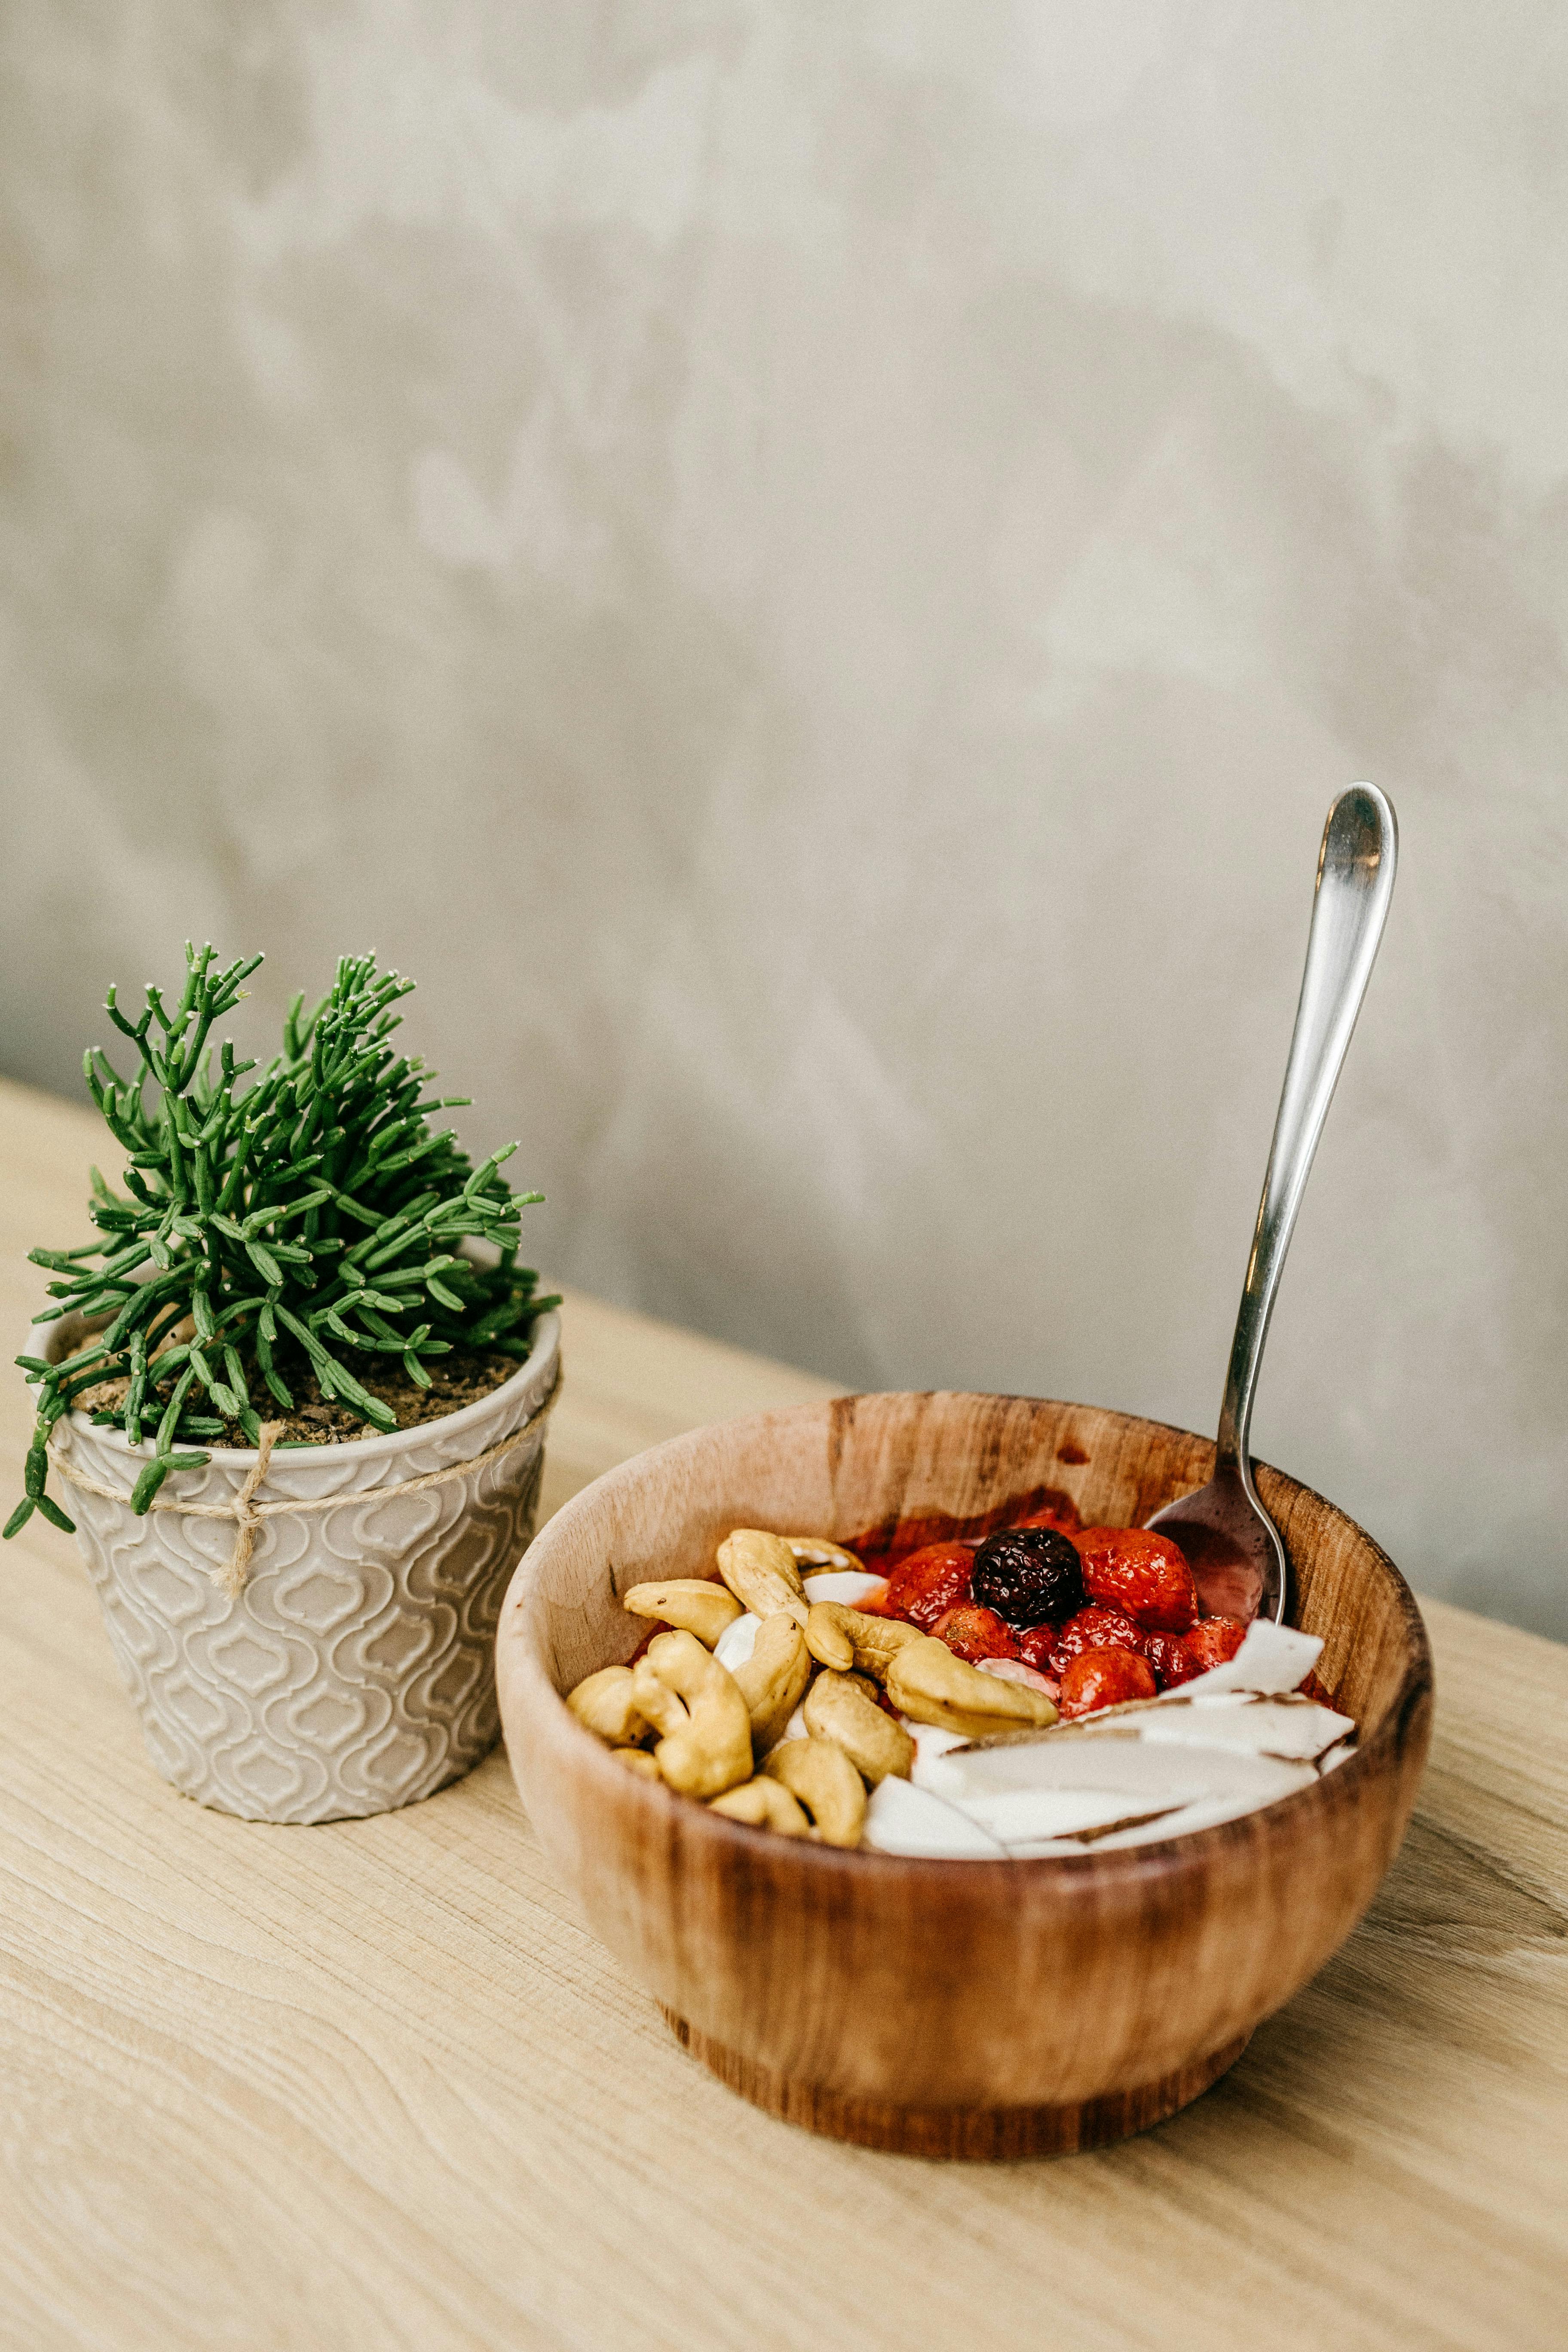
pixel 236 1576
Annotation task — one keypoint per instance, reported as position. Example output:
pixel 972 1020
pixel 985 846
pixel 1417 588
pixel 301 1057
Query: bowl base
pixel 979 2135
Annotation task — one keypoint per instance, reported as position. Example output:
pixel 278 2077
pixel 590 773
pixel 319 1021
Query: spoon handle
pixel 1350 907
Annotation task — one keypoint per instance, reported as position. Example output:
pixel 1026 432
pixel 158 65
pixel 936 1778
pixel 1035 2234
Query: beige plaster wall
pixel 811 566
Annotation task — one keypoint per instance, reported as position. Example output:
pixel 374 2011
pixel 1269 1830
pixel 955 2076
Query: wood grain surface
pixel 900 2002
pixel 374 2084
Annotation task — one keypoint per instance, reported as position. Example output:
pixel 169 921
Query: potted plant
pixel 297 1391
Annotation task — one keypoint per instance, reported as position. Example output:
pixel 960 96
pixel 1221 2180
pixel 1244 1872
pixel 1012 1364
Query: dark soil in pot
pixel 457 1380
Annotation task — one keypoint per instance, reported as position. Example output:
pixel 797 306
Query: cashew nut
pixel 815 1551
pixel 819 1773
pixel 826 1639
pixel 605 1704
pixel 760 1570
pixel 766 1805
pixel 694 1603
pixel 929 1683
pixel 772 1678
pixel 838 1708
pixel 706 1747
pixel 638 1760
pixel 654 1697
pixel 873 1641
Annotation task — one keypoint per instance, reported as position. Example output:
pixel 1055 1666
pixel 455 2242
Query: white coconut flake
pixel 795 1729
pixel 931 1743
pixel 1030 1816
pixel 1016 1670
pixel 1272 1659
pixel 902 1819
pixel 1118 1787
pixel 737 1641
pixel 1139 1770
pixel 849 1585
pixel 1297 1728
pixel 1204 1812
pixel 1212 1811
pixel 1138 1829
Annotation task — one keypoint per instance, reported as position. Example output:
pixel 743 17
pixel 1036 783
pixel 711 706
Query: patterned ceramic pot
pixel 355 1671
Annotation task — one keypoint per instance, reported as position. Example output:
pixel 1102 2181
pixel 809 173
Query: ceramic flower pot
pixel 355 1672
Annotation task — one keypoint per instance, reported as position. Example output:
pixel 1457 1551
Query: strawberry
pixel 1095 1628
pixel 975 1633
pixel 1141 1573
pixel 1037 1645
pixel 1214 1643
pixel 1172 1660
pixel 1311 1688
pixel 1098 1678
pixel 875 1604
pixel 934 1579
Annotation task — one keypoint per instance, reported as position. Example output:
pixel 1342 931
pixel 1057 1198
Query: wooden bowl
pixel 981 2008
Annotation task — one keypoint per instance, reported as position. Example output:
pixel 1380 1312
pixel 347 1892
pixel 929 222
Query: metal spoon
pixel 1231 1543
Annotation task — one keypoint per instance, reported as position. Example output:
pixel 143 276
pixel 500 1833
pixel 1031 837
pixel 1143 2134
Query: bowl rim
pixel 1127 1868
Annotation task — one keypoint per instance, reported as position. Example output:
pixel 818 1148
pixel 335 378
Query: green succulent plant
pixel 314 1214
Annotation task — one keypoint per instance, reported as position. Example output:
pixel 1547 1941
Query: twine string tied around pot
pixel 246 1515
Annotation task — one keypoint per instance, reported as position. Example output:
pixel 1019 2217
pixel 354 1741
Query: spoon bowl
pixel 1232 1546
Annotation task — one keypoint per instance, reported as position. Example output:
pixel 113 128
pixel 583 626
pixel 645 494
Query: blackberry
pixel 1028 1574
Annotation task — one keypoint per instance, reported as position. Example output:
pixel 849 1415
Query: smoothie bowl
pixel 1027 2000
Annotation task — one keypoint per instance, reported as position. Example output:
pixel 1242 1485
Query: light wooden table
pixel 375 2086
